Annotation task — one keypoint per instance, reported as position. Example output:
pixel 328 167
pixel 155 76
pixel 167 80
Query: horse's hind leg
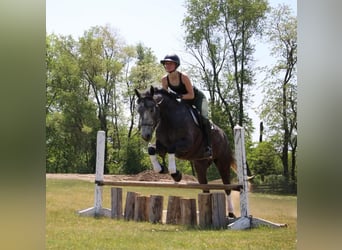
pixel 201 167
pixel 224 170
pixel 230 206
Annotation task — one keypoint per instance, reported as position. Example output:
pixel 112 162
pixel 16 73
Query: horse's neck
pixel 169 110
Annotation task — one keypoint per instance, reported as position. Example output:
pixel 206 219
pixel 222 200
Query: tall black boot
pixel 206 127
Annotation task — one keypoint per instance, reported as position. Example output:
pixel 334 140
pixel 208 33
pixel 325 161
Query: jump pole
pixel 98 210
pixel 235 187
pixel 246 221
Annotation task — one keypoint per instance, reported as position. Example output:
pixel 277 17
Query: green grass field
pixel 65 229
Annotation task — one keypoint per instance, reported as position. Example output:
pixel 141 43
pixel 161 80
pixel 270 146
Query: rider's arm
pixel 189 88
pixel 164 82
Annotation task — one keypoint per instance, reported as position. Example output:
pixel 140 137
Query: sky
pixel 157 24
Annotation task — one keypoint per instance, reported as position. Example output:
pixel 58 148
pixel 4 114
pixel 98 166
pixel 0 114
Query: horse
pixel 178 135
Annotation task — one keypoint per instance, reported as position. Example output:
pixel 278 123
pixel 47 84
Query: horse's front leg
pixel 157 167
pixel 175 174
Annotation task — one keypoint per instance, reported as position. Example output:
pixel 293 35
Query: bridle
pixel 156 118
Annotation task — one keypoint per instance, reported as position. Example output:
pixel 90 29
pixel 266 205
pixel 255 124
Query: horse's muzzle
pixel 147 137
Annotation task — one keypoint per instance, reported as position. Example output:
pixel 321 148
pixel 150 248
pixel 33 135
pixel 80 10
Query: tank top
pixel 180 88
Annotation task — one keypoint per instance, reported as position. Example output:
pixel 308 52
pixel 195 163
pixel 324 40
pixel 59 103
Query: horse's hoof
pixel 231 215
pixel 177 176
pixel 163 170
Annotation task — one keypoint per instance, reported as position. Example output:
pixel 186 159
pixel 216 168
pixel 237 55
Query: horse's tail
pixel 233 165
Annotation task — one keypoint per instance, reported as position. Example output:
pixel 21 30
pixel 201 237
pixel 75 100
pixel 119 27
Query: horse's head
pixel 148 113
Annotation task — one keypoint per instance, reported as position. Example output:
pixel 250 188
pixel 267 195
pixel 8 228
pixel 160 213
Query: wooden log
pixel 156 208
pixel 116 203
pixel 141 208
pixel 129 206
pixel 218 207
pixel 188 211
pixel 236 187
pixel 173 210
pixel 204 209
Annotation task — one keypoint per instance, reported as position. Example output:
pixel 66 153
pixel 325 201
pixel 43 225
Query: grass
pixel 65 229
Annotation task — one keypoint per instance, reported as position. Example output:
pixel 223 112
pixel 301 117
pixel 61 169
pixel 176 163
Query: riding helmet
pixel 171 58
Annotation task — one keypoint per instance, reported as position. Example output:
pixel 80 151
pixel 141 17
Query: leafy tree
pixel 70 116
pixel 101 63
pixel 146 71
pixel 88 83
pixel 262 159
pixel 129 96
pixel 219 36
pixel 279 108
pixel 135 158
pixel 242 21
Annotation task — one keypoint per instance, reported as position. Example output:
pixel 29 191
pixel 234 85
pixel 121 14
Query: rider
pixel 180 83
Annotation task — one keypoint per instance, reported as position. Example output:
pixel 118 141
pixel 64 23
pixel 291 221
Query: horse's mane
pixel 164 92
pixel 157 93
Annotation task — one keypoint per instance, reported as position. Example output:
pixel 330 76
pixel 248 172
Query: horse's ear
pixel 137 93
pixel 152 90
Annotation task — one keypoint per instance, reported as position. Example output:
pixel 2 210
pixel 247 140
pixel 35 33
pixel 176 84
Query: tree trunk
pixel 261 131
pixel 286 141
pixel 293 167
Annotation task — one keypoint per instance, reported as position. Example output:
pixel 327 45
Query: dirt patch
pixel 147 175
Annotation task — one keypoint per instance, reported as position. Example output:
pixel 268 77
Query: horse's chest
pixel 169 136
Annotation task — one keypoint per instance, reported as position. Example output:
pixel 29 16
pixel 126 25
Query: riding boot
pixel 206 127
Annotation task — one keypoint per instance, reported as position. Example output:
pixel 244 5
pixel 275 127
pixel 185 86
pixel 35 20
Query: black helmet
pixel 171 58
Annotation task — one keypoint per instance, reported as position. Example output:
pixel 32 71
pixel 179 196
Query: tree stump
pixel 218 207
pixel 204 208
pixel 173 214
pixel 141 208
pixel 156 208
pixel 129 206
pixel 116 203
pixel 188 212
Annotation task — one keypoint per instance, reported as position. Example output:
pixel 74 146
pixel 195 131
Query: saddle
pixel 195 114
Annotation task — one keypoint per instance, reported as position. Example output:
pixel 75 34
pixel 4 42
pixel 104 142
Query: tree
pixel 88 83
pixel 70 116
pixel 101 62
pixel 262 159
pixel 219 36
pixel 129 96
pixel 242 20
pixel 146 71
pixel 280 102
pixel 141 70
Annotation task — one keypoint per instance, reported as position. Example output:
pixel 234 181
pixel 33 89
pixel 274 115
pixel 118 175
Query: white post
pixel 100 150
pixel 240 155
pixel 97 210
pixel 246 220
